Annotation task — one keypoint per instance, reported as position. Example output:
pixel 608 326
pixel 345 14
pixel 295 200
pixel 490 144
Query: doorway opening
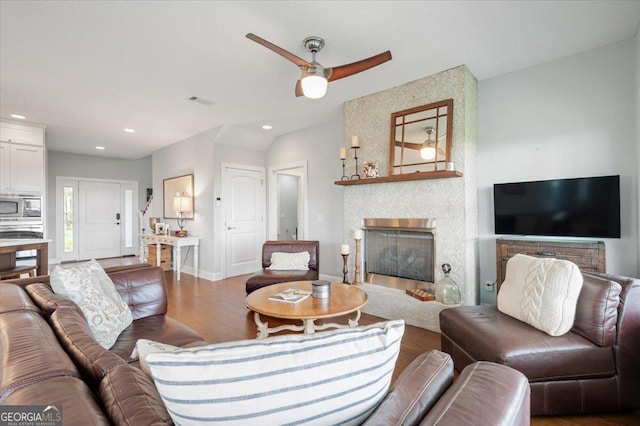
pixel 288 201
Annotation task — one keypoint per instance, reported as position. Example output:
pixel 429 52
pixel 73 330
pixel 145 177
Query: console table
pixel 588 255
pixel 177 243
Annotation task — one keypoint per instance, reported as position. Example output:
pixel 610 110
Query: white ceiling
pixel 89 69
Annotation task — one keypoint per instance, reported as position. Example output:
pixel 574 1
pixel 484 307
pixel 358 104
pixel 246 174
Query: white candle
pixel 344 248
pixel 355 142
pixel 343 153
pixel 357 234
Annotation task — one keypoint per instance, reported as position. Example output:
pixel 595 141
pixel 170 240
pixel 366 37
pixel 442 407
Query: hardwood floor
pixel 217 311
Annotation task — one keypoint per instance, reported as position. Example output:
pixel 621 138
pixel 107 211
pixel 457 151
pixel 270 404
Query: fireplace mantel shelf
pixel 401 178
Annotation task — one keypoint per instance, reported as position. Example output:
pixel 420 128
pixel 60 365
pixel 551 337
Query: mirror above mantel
pixel 420 139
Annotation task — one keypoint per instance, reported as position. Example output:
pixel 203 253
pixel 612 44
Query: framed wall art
pixel 172 187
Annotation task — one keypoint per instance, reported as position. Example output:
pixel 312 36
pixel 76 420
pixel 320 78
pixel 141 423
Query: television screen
pixel 581 207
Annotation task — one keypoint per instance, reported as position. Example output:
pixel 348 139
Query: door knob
pixel 229 228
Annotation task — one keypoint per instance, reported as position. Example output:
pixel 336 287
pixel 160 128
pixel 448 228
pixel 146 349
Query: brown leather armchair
pixel 267 277
pixel 595 367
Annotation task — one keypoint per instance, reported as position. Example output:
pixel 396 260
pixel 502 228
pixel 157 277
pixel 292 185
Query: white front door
pixel 244 218
pixel 99 220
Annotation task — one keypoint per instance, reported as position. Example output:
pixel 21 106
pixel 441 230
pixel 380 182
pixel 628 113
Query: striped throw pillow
pixel 334 377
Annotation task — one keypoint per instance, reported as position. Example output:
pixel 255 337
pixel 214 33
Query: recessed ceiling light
pixel 100 148
pixel 18 116
pixel 129 130
pixel 267 127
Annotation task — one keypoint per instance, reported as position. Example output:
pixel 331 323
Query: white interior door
pixel 244 219
pixel 99 220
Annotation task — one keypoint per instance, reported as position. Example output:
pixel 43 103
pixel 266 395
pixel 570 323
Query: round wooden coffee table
pixel 344 299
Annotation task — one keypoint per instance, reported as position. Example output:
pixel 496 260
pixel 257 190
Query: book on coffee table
pixel 291 295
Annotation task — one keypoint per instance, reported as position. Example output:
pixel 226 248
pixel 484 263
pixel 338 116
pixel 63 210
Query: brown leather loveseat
pixel 267 277
pixel 595 367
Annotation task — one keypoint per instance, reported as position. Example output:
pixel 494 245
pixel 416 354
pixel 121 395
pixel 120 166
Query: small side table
pixel 177 243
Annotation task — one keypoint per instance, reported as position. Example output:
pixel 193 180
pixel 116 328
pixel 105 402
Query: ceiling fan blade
pixel 342 71
pixel 299 91
pixel 280 51
pixel 409 145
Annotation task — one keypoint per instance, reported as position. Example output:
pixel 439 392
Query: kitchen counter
pixel 9 247
pixel 18 242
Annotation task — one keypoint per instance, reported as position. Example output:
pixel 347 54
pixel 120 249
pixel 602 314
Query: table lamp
pixel 182 204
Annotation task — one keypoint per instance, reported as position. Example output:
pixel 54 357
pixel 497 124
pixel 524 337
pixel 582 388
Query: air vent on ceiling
pixel 201 101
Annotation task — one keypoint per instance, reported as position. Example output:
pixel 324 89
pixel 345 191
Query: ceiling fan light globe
pixel 314 86
pixel 428 152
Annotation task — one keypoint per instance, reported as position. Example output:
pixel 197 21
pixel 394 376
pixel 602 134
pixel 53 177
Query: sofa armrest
pixel 130 397
pixel 485 393
pixel 76 338
pixel 415 391
pixel 143 289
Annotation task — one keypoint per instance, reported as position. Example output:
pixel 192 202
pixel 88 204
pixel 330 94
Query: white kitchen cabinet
pixel 21 133
pixel 5 166
pixel 22 158
pixel 27 168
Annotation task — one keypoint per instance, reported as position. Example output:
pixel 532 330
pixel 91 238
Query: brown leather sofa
pixel 595 367
pixel 267 277
pixel 49 357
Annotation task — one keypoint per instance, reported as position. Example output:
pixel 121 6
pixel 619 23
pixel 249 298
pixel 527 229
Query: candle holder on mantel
pixel 356 278
pixel 344 177
pixel 355 154
pixel 345 270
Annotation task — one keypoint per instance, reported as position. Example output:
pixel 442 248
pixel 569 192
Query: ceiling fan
pixel 314 79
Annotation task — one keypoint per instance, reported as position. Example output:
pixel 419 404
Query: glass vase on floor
pixel 447 291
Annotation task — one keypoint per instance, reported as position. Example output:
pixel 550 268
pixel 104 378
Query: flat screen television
pixel 580 207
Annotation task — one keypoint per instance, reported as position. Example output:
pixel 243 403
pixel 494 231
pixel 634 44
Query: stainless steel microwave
pixel 21 208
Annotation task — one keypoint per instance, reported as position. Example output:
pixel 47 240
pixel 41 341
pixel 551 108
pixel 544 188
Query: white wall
pixel 637 115
pixel 193 155
pixel 203 156
pixel 572 117
pixel 94 167
pixel 233 154
pixel 319 146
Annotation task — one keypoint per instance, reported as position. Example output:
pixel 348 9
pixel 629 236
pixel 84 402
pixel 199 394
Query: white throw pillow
pixel 290 261
pixel 334 377
pixel 90 287
pixel 541 292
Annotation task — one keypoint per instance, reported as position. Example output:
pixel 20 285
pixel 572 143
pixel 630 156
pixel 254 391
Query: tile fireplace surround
pixel 452 202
